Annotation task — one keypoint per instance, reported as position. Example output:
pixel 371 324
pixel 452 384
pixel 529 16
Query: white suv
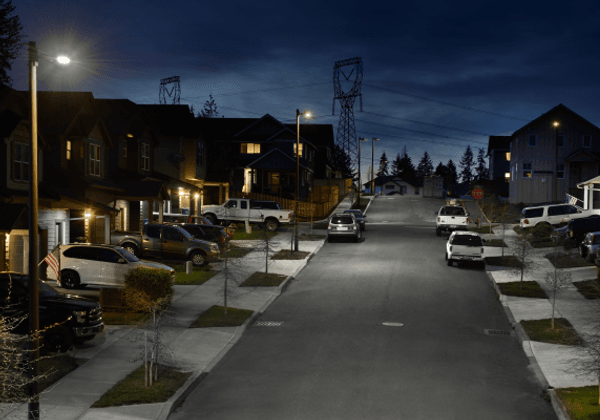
pixel 97 264
pixel 552 214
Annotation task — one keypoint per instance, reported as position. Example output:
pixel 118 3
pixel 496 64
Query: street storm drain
pixel 268 323
pixel 498 333
pixel 392 324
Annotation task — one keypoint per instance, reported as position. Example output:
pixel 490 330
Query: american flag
pixel 53 262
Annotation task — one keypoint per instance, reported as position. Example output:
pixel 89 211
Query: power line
pixel 424 123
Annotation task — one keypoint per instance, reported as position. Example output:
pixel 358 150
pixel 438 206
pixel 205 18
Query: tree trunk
pixel 146 359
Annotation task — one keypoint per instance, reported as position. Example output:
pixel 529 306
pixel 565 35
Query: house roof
pixel 13 216
pixel 498 143
pixel 558 108
pixel 9 120
pixel 58 110
pixel 274 159
pixel 170 120
pixel 592 155
pixel 121 116
pixel 381 180
pixel 321 135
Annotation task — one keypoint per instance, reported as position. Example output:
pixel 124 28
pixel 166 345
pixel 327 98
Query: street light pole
pixel 359 173
pixel 373 167
pixel 298 115
pixel 556 161
pixel 34 322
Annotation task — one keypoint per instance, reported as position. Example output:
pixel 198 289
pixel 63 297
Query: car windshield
pixel 342 220
pixel 358 213
pixel 468 240
pixel 44 289
pixel 128 255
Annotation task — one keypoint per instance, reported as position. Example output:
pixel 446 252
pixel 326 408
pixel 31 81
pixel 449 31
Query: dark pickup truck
pixel 166 241
pixel 76 319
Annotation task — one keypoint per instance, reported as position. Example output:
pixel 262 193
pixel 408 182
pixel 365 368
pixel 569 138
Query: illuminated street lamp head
pixel 63 59
pixel 307 114
pixel 556 123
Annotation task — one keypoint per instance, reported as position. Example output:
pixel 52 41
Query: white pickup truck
pixel 451 218
pixel 242 209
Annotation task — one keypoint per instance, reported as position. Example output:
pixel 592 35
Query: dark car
pixel 576 229
pixel 73 319
pixel 210 233
pixel 359 216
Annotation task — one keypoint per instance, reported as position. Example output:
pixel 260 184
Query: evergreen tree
pixel 10 39
pixel 396 166
pixel 342 162
pixel 383 166
pixel 466 165
pixel 210 108
pixel 425 167
pixel 407 169
pixel 481 171
pixel 452 173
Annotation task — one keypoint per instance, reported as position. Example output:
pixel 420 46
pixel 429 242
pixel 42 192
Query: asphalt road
pixel 382 329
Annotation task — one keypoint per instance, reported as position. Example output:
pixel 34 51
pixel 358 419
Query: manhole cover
pixel 498 333
pixel 392 324
pixel 268 323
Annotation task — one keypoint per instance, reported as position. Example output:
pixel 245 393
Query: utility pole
pixel 373 167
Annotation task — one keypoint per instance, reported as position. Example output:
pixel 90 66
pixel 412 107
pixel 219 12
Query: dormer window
pixel 145 157
pixel 250 148
pixel 20 162
pixel 295 149
pixel 68 149
pixel 94 160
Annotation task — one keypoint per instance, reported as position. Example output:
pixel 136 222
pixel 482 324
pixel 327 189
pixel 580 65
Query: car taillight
pixel 525 222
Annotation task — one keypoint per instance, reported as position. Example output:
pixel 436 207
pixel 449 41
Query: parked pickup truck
pixel 464 247
pixel 240 210
pixel 168 242
pixel 451 218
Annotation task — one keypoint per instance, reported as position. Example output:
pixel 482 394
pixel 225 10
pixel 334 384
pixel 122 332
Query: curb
pixel 525 342
pixel 176 400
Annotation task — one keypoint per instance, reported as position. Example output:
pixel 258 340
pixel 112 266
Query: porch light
pixel 87 215
pixel 196 196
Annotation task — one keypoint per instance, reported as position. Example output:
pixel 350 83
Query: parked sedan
pixel 105 265
pixel 343 225
pixel 358 215
pixel 589 248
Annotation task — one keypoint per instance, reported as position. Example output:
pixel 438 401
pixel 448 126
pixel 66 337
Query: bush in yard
pixel 154 284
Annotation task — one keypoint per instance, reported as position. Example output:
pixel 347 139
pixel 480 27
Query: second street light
pixel 373 167
pixel 298 115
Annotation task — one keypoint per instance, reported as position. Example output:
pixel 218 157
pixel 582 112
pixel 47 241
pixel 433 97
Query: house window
pixel 300 149
pixel 587 141
pixel 532 140
pixel 125 148
pixel 21 162
pixel 508 156
pixel 94 162
pixel 526 170
pixel 250 148
pixel 560 171
pixel 561 141
pixel 199 153
pixel 68 149
pixel 145 156
pixel 506 176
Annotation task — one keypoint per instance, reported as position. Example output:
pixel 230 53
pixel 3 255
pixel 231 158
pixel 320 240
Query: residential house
pixel 552 154
pixel 385 185
pixel 498 153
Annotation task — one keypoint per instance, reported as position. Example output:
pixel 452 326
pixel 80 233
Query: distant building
pixel 433 186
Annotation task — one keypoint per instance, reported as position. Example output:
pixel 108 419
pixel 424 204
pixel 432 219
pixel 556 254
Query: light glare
pixel 63 60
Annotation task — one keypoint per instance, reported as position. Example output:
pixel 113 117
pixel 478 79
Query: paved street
pixel 380 329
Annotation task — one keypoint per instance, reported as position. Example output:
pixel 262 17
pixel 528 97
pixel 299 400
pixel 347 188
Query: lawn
pixel 529 289
pixel 286 254
pixel 123 318
pixel 485 228
pixel 581 403
pixel 568 260
pixel 498 243
pixel 132 390
pixel 506 261
pixel 198 276
pixel 257 233
pixel 590 289
pixel 260 279
pixel 541 330
pixel 215 317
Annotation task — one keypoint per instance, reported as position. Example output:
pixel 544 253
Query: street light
pixel 34 322
pixel 556 124
pixel 373 167
pixel 305 114
pixel 359 174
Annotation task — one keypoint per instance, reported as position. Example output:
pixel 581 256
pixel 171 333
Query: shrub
pixel 154 283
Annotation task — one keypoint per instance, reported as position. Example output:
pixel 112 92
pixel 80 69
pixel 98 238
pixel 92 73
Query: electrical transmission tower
pixel 163 92
pixel 346 134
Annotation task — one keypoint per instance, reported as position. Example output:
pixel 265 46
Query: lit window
pixel 507 155
pixel 94 162
pixel 145 156
pixel 506 176
pixel 21 162
pixel 526 170
pixel 250 148
pixel 300 149
pixel 68 149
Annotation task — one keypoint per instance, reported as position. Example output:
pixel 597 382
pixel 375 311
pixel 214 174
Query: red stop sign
pixel 477 193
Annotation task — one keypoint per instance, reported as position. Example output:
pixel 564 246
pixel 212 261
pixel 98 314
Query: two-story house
pixel 498 153
pixel 552 154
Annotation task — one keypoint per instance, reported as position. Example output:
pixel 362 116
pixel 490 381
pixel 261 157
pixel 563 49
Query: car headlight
pixel 214 248
pixel 79 316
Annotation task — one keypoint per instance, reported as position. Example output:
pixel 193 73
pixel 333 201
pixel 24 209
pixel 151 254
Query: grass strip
pixel 568 260
pixel 541 330
pixel 506 261
pixel 485 228
pixel 196 277
pixel 498 243
pixel 590 289
pixel 215 317
pixel 581 403
pixel 308 237
pixel 286 254
pixel 259 279
pixel 123 318
pixel 241 235
pixel 529 289
pixel 132 390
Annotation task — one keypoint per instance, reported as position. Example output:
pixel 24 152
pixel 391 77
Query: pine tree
pixel 481 172
pixel 210 108
pixel 425 167
pixel 342 162
pixel 466 165
pixel 407 168
pixel 396 166
pixel 383 166
pixel 10 39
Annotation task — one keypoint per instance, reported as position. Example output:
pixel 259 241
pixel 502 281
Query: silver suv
pixel 343 225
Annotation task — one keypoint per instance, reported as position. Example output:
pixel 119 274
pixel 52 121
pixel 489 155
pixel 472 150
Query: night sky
pixel 438 75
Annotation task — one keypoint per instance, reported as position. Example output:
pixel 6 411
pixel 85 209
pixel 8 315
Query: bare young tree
pixel 523 251
pixel 559 278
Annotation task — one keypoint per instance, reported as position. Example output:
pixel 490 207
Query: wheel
pixel 69 279
pixel 58 339
pixel 438 232
pixel 211 218
pixel 271 225
pixel 449 261
pixel 131 248
pixel 356 239
pixel 329 239
pixel 582 252
pixel 198 259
